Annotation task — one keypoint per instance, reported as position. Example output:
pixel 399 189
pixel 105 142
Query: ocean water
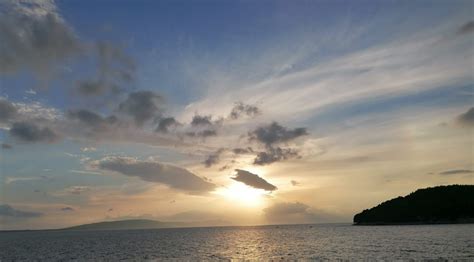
pixel 292 242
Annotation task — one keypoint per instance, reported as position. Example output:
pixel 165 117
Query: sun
pixel 243 194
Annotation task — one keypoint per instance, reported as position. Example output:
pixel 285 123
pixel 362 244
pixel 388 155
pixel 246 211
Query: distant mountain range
pixel 143 224
pixel 435 205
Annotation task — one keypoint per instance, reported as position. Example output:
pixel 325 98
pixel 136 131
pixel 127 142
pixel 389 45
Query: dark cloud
pixel 287 212
pixel 165 124
pixel 142 106
pixel 275 154
pixel 6 146
pixel 9 211
pixel 114 61
pixel 202 134
pixel 207 133
pixel 467 118
pixel 240 109
pixel 33 36
pixel 204 126
pixel 31 133
pixel 7 110
pixel 275 133
pixel 151 171
pixel 213 158
pixel 91 119
pixel 456 171
pixel 199 120
pixel 253 180
pixel 271 136
pixel 466 28
pixel 225 167
pixel 114 68
pixel 242 151
pixel 67 209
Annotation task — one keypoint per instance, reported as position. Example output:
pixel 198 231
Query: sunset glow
pixel 243 195
pixel 229 112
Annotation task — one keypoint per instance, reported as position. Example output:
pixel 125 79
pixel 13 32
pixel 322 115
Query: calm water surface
pixel 303 242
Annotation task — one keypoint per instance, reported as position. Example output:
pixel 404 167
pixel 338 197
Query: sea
pixel 255 243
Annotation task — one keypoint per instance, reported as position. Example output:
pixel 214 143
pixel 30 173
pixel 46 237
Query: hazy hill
pixel 142 224
pixel 435 205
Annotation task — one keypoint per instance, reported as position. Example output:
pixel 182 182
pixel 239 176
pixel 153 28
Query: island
pixel 451 204
pixel 133 224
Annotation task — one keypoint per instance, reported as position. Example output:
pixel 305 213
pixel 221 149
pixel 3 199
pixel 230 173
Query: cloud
pixel 165 124
pixel 30 92
pixel 34 36
pixel 467 118
pixel 240 109
pixel 32 133
pixel 9 211
pixel 9 180
pixel 90 119
pixel 275 154
pixel 295 183
pixel 115 68
pixel 67 209
pixel 36 111
pixel 84 172
pixel 77 190
pixel 242 151
pixel 275 133
pixel 6 146
pixel 204 126
pixel 88 149
pixel 295 212
pixel 85 124
pixel 7 110
pixel 271 136
pixel 253 180
pixel 466 28
pixel 213 159
pixel 152 171
pixel 456 171
pixel 94 87
pixel 202 134
pixel 142 106
pixel 199 120
pixel 395 67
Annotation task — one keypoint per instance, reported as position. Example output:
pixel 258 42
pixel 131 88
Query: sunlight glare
pixel 243 194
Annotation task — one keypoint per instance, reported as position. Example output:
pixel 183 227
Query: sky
pixel 229 112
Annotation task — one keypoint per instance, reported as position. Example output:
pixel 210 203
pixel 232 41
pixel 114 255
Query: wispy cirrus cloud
pixel 389 69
